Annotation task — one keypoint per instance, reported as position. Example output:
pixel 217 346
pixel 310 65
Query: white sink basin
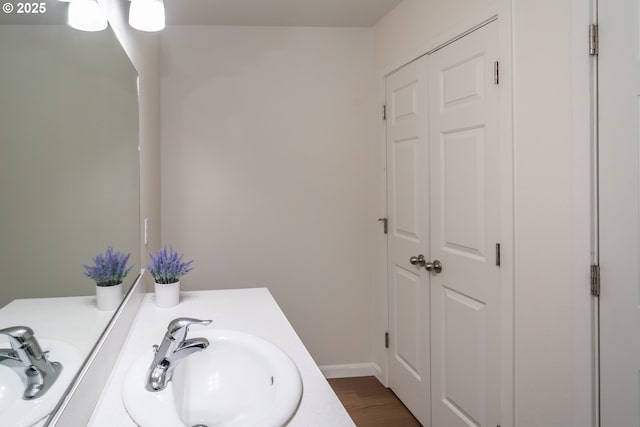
pixel 239 380
pixel 17 412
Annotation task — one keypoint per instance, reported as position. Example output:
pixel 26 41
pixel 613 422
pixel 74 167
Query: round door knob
pixel 418 260
pixel 435 266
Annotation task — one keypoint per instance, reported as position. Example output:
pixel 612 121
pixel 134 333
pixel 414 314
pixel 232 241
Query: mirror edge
pixel 80 398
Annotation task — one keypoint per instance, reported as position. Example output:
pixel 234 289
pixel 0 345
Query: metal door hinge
pixel 593 40
pixel 384 112
pixel 496 72
pixel 386 340
pixel 385 224
pixel 498 254
pixel 595 280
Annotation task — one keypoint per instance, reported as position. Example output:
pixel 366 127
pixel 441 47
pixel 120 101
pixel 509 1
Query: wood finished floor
pixel 370 404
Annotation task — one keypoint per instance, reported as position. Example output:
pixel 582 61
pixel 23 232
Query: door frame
pixel 594 142
pixel 597 207
pixel 502 13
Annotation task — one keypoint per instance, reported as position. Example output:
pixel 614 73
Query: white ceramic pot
pixel 108 297
pixel 167 295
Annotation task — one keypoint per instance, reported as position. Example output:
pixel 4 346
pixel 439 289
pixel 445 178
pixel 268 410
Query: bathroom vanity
pixel 247 311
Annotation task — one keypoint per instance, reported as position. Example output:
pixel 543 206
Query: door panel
pixel 407 175
pixel 619 222
pixel 463 210
pixel 407 329
pixel 462 83
pixel 464 356
pixel 464 177
pixel 404 153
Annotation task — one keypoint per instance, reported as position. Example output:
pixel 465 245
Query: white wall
pixel 405 31
pixel 551 143
pixel 553 353
pixel 268 177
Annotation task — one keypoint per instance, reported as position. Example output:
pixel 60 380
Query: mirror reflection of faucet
pixel 25 352
pixel 174 347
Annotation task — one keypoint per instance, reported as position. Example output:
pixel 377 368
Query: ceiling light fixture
pixel 86 15
pixel 147 15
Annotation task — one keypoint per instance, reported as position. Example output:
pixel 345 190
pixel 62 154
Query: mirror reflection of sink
pixel 239 380
pixel 17 412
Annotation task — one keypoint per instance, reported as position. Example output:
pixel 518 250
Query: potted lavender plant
pixel 167 268
pixel 108 271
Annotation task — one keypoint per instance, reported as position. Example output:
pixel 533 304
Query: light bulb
pixel 147 15
pixel 86 15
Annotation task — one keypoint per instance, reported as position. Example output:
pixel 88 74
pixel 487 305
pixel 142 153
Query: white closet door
pixel 465 225
pixel 408 207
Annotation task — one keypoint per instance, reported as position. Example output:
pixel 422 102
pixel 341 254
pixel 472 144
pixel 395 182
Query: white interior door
pixel 408 208
pixel 619 159
pixel 465 183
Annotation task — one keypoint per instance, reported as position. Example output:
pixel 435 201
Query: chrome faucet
pixel 26 352
pixel 174 347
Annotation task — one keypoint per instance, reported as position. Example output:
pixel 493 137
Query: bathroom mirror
pixel 69 172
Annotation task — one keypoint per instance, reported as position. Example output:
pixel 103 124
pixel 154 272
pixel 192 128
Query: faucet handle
pixel 18 332
pixel 18 335
pixel 179 327
pixel 24 343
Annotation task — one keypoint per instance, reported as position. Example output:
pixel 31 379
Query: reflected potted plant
pixel 167 268
pixel 108 271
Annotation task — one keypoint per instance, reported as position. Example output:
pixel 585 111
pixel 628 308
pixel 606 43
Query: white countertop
pixel 248 310
pixel 74 320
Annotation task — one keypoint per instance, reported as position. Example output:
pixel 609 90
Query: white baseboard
pixel 351 370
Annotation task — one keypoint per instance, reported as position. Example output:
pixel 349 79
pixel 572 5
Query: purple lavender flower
pixel 167 267
pixel 109 268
